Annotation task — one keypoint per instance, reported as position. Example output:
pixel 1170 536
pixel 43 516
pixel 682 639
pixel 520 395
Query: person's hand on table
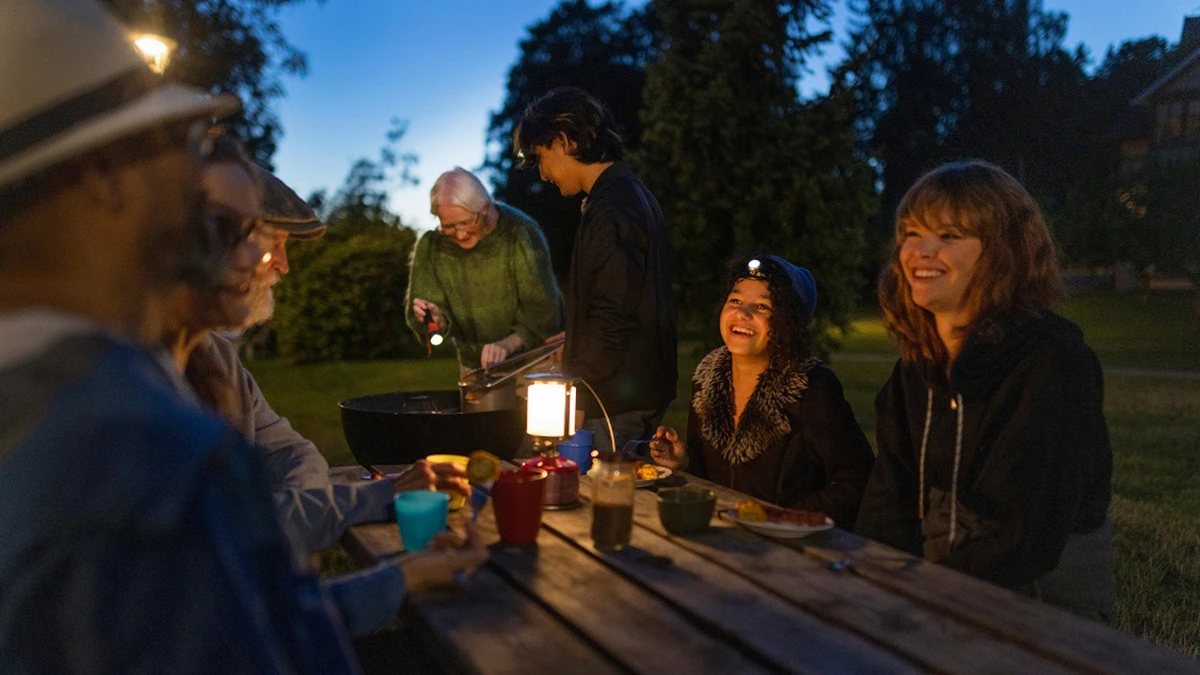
pixel 419 476
pixel 667 450
pixel 421 305
pixel 448 558
pixel 558 353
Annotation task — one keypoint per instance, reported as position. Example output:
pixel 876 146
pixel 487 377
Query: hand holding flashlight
pixel 431 317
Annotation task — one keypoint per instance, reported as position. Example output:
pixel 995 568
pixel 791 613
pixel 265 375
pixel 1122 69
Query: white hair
pixel 459 187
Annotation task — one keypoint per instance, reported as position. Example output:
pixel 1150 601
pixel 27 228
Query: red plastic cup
pixel 517 498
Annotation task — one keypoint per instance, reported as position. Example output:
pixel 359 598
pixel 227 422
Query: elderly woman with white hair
pixel 484 275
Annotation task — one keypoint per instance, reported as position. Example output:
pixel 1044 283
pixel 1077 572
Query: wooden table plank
pixel 876 621
pixel 628 624
pixel 1076 643
pixel 488 627
pixel 485 626
pixel 740 611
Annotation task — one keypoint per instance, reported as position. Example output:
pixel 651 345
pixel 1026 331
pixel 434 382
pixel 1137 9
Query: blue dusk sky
pixel 442 65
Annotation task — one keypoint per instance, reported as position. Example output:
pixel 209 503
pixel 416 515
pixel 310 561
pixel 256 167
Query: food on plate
pixel 751 511
pixel 647 472
pixel 755 511
pixel 482 467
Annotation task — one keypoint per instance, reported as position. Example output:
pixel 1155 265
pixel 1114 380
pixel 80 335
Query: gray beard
pixel 262 305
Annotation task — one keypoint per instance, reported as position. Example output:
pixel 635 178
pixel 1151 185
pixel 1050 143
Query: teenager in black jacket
pixel 994 456
pixel 620 316
pixel 766 417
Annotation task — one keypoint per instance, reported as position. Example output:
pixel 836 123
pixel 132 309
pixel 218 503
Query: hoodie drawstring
pixel 958 406
pixel 954 477
pixel 924 443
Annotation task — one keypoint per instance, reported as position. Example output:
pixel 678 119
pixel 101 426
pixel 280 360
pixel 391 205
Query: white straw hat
pixel 72 82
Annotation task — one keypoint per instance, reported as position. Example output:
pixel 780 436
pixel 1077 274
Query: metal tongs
pixel 483 379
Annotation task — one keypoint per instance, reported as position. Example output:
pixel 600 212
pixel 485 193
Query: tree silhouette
pixel 939 80
pixel 226 45
pixel 739 162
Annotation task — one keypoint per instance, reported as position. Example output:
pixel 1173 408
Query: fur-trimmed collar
pixel 764 421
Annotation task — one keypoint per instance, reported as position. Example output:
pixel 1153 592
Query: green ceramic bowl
pixel 686 510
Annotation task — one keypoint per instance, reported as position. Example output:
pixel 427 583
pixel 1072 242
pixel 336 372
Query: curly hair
pixel 1017 269
pixel 584 120
pixel 789 340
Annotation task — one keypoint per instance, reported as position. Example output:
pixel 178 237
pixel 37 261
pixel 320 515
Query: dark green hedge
pixel 344 298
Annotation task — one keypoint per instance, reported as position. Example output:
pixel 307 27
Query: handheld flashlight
pixel 433 336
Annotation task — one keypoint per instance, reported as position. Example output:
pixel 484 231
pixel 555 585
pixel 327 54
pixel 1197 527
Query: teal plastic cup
pixel 420 514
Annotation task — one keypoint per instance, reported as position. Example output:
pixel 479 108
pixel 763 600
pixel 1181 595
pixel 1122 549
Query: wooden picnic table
pixel 731 601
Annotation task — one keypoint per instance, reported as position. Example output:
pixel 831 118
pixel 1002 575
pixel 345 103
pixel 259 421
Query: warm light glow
pixel 266 258
pixel 551 408
pixel 155 49
pixel 436 339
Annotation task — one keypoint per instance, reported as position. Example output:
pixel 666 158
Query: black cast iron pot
pixel 404 426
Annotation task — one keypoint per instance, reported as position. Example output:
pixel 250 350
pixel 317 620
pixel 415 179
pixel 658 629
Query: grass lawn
pixel 1154 424
pixel 1124 330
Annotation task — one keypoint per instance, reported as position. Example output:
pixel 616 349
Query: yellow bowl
pixel 457 501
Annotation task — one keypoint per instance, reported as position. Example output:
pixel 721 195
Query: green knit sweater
pixel 503 285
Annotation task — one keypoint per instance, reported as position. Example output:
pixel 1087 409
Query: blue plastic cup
pixel 583 437
pixel 578 453
pixel 420 514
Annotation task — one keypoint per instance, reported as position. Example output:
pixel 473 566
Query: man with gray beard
pixel 313 508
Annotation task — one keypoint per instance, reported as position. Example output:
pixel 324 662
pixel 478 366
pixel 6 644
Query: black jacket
pixel 1035 465
pixel 620 313
pixel 797 443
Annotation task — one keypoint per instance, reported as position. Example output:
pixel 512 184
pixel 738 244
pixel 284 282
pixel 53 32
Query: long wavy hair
pixel 1017 269
pixel 789 340
pixel 212 384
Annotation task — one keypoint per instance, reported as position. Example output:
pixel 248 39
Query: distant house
pixel 1162 128
pixel 1165 127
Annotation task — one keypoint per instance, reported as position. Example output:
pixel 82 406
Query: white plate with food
pixel 784 529
pixel 661 471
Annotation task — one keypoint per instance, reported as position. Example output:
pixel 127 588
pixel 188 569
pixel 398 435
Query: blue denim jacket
pixel 138 533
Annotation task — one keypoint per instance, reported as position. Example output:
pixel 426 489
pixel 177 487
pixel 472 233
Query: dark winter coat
pixel 796 444
pixel 1034 465
pixel 620 313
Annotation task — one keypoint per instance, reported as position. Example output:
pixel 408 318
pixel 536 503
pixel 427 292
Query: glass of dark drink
pixel 612 501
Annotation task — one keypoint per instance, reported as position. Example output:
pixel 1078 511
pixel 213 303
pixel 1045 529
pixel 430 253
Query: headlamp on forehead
pixel 754 270
pixel 782 271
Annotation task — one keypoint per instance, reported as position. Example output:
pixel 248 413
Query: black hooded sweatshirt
pixel 1035 464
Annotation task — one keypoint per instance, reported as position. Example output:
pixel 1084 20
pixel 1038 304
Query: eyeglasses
pixel 470 226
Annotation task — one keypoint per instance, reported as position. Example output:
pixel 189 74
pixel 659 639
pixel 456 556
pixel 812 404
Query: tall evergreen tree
pixel 739 162
pixel 939 80
pixel 602 49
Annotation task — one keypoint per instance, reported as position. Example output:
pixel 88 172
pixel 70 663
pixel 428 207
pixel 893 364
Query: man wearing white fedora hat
pixel 138 529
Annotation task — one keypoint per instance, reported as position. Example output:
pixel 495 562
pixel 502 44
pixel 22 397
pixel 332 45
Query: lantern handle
pixel 612 438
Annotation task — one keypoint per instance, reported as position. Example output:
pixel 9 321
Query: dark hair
pixel 1018 264
pixel 213 386
pixel 571 111
pixel 789 340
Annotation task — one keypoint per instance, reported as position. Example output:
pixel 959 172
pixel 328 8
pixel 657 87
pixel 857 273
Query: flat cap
pixel 284 209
